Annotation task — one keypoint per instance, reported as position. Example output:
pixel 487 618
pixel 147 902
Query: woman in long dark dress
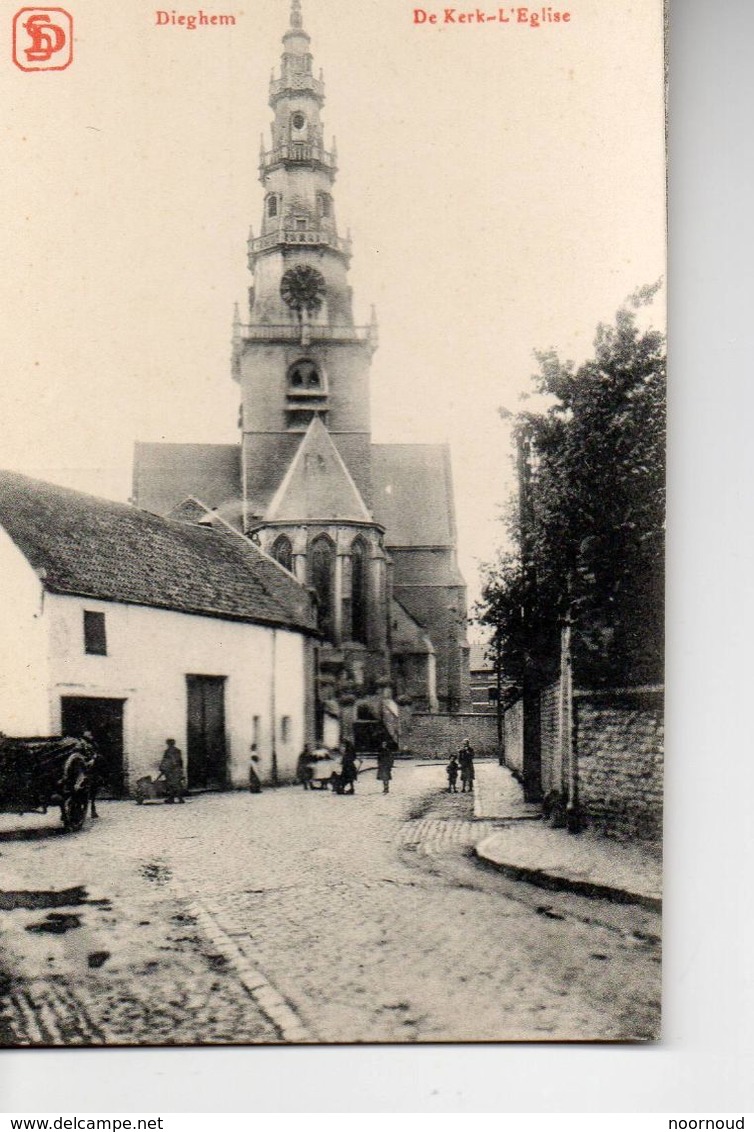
pixel 385 767
pixel 349 770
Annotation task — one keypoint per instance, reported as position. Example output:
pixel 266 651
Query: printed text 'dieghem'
pixel 193 20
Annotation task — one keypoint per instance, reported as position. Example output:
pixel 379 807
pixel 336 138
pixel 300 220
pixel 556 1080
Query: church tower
pixel 370 528
pixel 300 356
pixel 303 367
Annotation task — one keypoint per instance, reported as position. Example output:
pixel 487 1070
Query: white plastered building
pixel 139 628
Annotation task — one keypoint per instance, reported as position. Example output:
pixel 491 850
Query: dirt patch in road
pixel 56 923
pixel 442 805
pixel 36 901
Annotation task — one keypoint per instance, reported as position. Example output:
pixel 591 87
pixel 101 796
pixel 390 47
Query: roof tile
pixel 93 547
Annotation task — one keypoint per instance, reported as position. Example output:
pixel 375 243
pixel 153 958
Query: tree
pixel 589 531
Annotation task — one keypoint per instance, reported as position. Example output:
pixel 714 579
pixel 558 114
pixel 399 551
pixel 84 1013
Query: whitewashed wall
pixel 24 676
pixel 149 654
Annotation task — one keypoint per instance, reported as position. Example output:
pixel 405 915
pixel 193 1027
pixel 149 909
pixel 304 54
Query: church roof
pixel 413 489
pixel 413 494
pixel 166 474
pixel 90 547
pixel 317 484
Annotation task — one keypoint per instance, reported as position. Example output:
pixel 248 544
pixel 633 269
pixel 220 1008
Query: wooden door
pixel 104 718
pixel 207 753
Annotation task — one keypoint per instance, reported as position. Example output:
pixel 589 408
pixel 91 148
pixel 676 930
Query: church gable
pixel 318 485
pixel 191 510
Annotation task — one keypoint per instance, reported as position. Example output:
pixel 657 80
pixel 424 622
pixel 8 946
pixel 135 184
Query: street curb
pixel 266 997
pixel 559 883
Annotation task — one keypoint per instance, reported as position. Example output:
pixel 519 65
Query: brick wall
pixel 428 734
pixel 550 739
pixel 619 742
pixel 514 737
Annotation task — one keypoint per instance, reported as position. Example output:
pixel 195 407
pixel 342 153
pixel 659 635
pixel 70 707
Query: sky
pixel 503 184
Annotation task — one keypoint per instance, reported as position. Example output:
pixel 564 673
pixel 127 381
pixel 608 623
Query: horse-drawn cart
pixel 38 773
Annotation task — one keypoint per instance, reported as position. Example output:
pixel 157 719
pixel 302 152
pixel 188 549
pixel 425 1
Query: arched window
pixel 359 591
pixel 272 205
pixel 304 377
pixel 282 552
pixel 322 578
pixel 325 204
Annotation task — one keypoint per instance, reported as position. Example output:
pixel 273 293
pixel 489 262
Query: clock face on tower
pixel 303 288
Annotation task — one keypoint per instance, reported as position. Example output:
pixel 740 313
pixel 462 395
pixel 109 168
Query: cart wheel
pixel 75 793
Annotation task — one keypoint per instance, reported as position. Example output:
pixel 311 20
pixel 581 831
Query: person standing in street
pixel 94 764
pixel 385 767
pixel 349 770
pixel 466 764
pixel 171 768
pixel 255 782
pixel 304 768
pixel 452 772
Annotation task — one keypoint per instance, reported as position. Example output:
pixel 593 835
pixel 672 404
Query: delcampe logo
pixel 42 39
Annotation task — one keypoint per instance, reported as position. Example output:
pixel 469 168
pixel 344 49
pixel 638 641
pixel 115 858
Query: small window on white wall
pixel 95 637
pixel 285 728
pixel 255 728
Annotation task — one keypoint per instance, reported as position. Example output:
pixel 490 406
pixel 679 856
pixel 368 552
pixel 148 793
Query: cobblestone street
pixel 304 916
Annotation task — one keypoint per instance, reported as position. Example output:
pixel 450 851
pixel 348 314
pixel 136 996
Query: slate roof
pixel 413 488
pixel 318 484
pixel 91 547
pixel 166 474
pixel 413 494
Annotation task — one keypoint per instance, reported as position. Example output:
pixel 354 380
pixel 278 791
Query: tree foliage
pixel 589 527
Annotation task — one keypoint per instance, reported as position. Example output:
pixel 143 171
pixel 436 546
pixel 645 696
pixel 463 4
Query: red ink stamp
pixel 42 39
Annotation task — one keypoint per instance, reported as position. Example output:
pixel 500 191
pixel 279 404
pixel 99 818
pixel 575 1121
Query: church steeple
pixel 298 171
pixel 300 355
pixel 296 62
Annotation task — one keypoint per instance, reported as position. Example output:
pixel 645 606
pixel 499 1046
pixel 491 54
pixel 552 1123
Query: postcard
pixel 331 523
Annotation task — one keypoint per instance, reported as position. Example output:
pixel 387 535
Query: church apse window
pixel 282 552
pixel 322 579
pixel 272 205
pixel 325 205
pixel 359 591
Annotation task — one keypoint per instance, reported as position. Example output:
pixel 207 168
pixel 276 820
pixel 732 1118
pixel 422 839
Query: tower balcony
pixel 296 84
pixel 310 331
pixel 298 237
pixel 297 153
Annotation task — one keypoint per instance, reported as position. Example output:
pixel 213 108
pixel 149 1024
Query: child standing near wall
pixel 452 772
